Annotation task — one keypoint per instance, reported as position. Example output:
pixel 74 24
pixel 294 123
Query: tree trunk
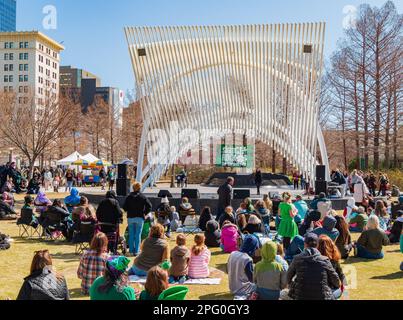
pixel 357 125
pixel 377 124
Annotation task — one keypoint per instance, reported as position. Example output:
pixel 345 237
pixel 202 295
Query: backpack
pixel 4 242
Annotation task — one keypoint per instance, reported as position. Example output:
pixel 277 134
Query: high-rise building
pixel 71 77
pixel 8 15
pixel 29 63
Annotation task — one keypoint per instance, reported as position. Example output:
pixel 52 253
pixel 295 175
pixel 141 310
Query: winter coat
pixel 315 276
pixel 224 195
pixel 137 205
pixel 212 234
pixel 44 285
pixel 229 238
pixel 109 211
pixel 328 228
pixel 204 218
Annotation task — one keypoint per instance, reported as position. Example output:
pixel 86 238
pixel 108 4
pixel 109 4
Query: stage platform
pixel 209 196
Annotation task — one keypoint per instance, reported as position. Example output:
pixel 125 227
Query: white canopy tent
pixel 68 160
pixel 90 158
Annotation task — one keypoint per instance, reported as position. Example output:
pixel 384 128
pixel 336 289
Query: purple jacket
pixel 229 238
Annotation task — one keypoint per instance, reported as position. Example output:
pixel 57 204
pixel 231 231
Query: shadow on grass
pixel 217 296
pixel 66 257
pixel 222 267
pixel 352 260
pixel 392 276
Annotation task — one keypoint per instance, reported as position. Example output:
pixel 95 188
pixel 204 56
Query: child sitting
pixel 156 283
pixel 175 221
pixel 358 220
pixel 199 259
pixel 229 237
pixel 93 262
pixel 227 216
pixel 213 234
pixel 28 211
pixel 180 256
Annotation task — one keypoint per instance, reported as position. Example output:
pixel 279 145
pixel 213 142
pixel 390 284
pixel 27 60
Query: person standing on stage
pixel 258 180
pixel 224 196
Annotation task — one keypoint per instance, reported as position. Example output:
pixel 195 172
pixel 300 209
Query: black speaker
pixel 122 187
pixel 164 193
pixel 241 194
pixel 122 171
pixel 320 186
pixel 320 173
pixel 190 193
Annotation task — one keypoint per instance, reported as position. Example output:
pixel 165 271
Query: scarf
pixel 268 262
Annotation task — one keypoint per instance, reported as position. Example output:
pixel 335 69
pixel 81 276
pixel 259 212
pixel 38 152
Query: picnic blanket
pixel 206 281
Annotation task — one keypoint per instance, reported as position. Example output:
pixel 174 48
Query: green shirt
pixel 361 220
pixel 127 293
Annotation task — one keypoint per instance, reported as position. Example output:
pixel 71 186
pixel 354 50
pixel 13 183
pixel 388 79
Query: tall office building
pixel 29 63
pixel 71 77
pixel 8 15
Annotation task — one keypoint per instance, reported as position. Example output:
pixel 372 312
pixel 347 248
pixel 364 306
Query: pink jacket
pixel 229 238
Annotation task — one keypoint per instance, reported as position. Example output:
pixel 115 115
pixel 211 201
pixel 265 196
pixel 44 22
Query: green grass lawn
pixel 378 280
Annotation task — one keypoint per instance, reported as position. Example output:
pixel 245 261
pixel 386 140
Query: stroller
pixel 115 241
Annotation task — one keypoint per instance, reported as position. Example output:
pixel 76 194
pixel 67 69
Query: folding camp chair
pixel 83 236
pixel 25 225
pixel 53 226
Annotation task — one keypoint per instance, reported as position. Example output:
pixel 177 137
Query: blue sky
pixel 92 30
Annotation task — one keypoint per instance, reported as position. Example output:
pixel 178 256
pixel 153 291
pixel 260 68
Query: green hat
pixel 117 265
pixel 166 265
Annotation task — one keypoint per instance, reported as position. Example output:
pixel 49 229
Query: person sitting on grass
pixel 242 209
pixel 269 275
pixel 254 225
pixel 114 285
pixel 329 224
pixel 93 261
pixel 328 249
pixel 43 283
pixel 240 268
pixel 165 215
pixel 199 259
pixel 213 234
pixel 156 283
pixel 229 237
pixel 205 217
pixel 154 250
pixel 180 256
pixel 311 276
pixel 370 244
pixel 296 247
pixel 381 212
pixel 84 212
pixel 343 241
pixel 186 205
pixel 6 211
pixel 227 216
pixel 358 220
pixel 396 230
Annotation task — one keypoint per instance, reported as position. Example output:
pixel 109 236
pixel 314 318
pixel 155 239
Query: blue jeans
pixel 365 254
pixel 69 185
pixel 135 230
pixel 137 272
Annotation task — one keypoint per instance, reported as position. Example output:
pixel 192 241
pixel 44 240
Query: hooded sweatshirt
pixel 328 228
pixel 296 247
pixel 212 234
pixel 229 238
pixel 180 256
pixel 270 274
pixel 73 199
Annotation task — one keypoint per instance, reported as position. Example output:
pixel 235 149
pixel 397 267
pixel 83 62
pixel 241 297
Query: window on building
pixel 11 67
pixel 21 45
pixel 5 78
pixel 26 67
pixel 25 56
pixel 6 56
pixel 10 78
pixel 6 45
pixel 21 78
pixel 21 56
pixel 20 89
pixel 11 56
pixel 26 78
pixel 26 89
pixel 20 100
pixel 26 45
pixel 6 67
pixel 5 88
pixel 21 67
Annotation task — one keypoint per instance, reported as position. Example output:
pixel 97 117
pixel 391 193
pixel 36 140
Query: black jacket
pixel 224 195
pixel 225 217
pixel 315 276
pixel 204 218
pixel 137 205
pixel 258 178
pixel 109 211
pixel 212 234
pixel 44 286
